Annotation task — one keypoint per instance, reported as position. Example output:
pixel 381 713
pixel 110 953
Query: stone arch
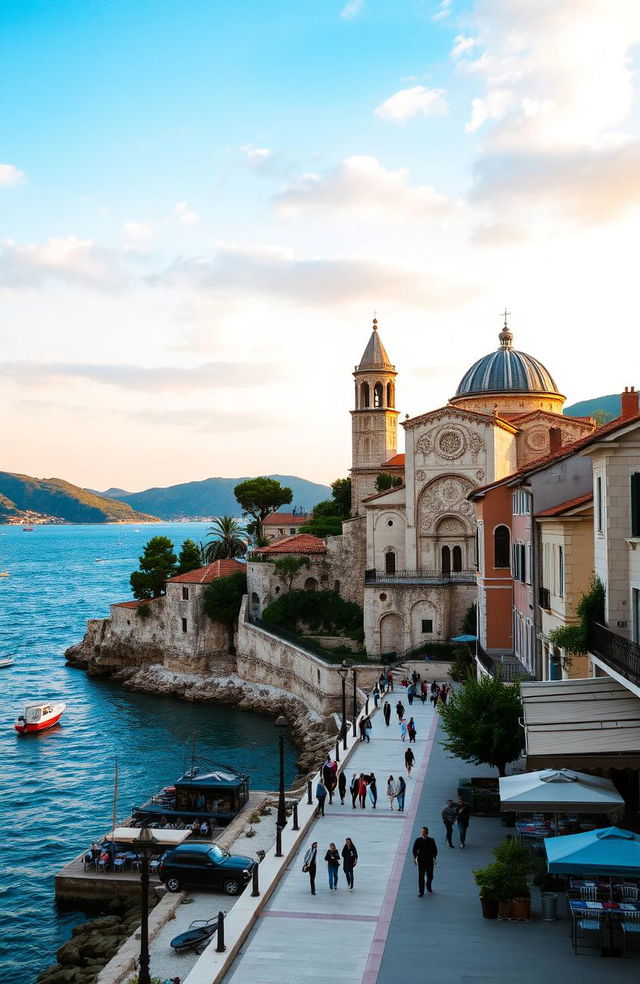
pixel 391 633
pixel 255 605
pixel 390 395
pixel 446 496
pixel 378 395
pixel 311 584
pixel 423 622
pixel 365 396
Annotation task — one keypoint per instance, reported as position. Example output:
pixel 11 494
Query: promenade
pixel 382 932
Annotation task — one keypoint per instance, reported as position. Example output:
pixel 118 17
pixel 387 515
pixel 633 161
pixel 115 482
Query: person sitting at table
pixel 179 825
pixel 195 827
pixel 205 829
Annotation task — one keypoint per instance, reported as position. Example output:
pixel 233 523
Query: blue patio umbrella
pixel 609 851
pixel 464 638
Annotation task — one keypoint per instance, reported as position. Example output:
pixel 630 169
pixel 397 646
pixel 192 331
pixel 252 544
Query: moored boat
pixel 6 661
pixel 4 573
pixel 216 795
pixel 39 717
pixel 27 529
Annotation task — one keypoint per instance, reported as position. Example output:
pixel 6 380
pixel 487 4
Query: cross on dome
pixel 506 336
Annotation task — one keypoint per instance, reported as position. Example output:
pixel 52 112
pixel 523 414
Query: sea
pixel 58 786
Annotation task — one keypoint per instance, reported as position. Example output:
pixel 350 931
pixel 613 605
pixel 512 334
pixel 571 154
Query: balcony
pixel 420 577
pixel 622 655
pixel 544 598
pixel 509 668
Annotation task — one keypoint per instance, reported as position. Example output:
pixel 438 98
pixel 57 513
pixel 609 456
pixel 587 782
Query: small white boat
pixel 39 717
pixel 27 529
pixel 6 661
pixel 4 573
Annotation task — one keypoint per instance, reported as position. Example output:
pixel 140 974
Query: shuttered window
pixel 635 504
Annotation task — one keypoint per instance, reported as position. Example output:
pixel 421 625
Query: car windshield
pixel 218 853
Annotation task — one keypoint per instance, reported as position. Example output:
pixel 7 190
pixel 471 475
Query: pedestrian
pixel 444 693
pixel 362 790
pixel 373 790
pixel 450 691
pixel 403 728
pixel 464 815
pixel 386 710
pixel 376 695
pixel 402 788
pixel 435 690
pixel 414 677
pixel 331 784
pixel 327 770
pixel 409 759
pixel 411 730
pixel 425 852
pixel 449 816
pixel 321 795
pixel 349 861
pixel 310 865
pixel 410 693
pixel 332 857
pixel 423 691
pixel 390 681
pixel 354 786
pixel 368 728
pixel 362 728
pixel 392 791
pixel 400 710
pixel 382 680
pixel 342 787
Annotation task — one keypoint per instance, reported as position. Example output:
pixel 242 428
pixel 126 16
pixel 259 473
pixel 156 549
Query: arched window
pixel 389 394
pixel 446 560
pixel 390 562
pixel 457 558
pixel 501 547
pixel 311 584
pixel 364 395
pixel 378 395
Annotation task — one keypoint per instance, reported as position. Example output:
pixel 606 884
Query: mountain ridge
pixel 56 500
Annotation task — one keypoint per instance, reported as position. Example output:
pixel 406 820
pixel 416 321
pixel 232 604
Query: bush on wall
pixel 315 611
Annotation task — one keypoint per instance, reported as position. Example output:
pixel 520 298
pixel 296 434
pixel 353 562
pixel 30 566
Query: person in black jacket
pixel 425 852
pixel 349 860
pixel 310 865
pixel 342 787
pixel 386 710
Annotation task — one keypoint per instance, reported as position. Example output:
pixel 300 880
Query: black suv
pixel 205 866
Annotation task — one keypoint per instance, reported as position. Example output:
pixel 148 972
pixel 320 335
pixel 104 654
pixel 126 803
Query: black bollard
pixel 309 793
pixel 296 825
pixel 220 947
pixel 255 888
pixel 278 841
pixel 337 749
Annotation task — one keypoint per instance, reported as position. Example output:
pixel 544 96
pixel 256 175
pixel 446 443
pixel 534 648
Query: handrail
pixel 373 576
pixel 621 654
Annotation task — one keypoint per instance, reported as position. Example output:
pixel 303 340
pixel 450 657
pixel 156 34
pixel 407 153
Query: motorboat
pixel 4 573
pixel 39 717
pixel 6 661
pixel 27 529
pixel 216 795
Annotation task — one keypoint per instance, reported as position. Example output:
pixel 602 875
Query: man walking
pixel 386 710
pixel 402 789
pixel 464 814
pixel 425 852
pixel 342 787
pixel 449 817
pixel 310 865
pixel 409 759
pixel 400 710
pixel 354 787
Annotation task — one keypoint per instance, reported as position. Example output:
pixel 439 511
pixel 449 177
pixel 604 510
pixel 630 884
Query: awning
pixel 163 838
pixel 610 851
pixel 559 790
pixel 592 723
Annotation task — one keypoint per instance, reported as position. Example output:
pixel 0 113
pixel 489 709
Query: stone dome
pixel 506 371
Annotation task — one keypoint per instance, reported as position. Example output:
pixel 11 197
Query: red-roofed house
pixel 283 524
pixel 303 543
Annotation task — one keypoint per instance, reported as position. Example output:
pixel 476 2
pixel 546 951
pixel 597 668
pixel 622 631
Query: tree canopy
pixel 481 722
pixel 385 481
pixel 190 557
pixel 288 566
pixel 222 600
pixel 260 497
pixel 317 611
pixel 157 564
pixel 326 518
pixel 230 539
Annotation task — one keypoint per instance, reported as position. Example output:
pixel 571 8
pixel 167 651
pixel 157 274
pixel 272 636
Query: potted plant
pixel 504 881
pixel 490 881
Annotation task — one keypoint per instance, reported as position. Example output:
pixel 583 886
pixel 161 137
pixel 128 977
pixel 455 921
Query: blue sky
pixel 202 204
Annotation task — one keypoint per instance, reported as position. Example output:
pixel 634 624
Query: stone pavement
pixel 382 933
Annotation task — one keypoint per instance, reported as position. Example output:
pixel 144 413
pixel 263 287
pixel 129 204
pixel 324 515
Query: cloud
pixel 184 214
pixel 139 232
pixel 208 421
pixel 68 260
pixel 362 186
pixel 442 11
pixel 278 273
pixel 351 9
pixel 11 176
pixel 264 161
pixel 148 379
pixel 415 101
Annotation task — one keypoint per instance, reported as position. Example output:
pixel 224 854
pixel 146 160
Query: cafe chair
pixel 589 893
pixel 630 926
pixel 629 893
pixel 588 928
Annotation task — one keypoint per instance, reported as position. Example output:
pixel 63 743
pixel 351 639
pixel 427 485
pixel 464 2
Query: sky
pixel 204 203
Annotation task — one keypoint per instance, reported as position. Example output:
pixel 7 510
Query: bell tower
pixel 374 428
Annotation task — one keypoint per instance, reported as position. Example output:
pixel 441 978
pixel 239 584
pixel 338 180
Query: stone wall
pixel 394 614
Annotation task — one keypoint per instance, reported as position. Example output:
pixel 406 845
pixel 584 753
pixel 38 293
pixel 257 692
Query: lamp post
pixel 355 701
pixel 281 728
pixel 343 671
pixel 145 846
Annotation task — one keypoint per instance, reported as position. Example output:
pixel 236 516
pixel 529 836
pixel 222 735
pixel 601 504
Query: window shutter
pixel 635 504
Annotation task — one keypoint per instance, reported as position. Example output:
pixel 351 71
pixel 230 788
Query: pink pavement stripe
pixel 376 951
pixel 338 916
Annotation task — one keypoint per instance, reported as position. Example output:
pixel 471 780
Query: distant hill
pixel 56 499
pixel 214 497
pixel 611 405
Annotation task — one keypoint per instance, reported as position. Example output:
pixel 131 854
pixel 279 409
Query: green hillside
pixel 8 508
pixel 609 405
pixel 54 497
pixel 214 497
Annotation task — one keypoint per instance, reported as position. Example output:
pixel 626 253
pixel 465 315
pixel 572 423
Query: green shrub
pixel 143 611
pixel 462 665
pixel 315 611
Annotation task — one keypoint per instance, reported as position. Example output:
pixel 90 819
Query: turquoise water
pixel 57 787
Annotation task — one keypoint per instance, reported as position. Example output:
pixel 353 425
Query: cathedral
pixel 418 538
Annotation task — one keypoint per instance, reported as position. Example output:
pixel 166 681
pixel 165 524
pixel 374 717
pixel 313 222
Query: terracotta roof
pixel 302 543
pixel 132 604
pixel 567 506
pixel 564 452
pixel 395 462
pixel 285 519
pixel 203 575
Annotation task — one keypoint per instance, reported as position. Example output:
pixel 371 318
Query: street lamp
pixel 281 728
pixel 146 845
pixel 355 701
pixel 343 671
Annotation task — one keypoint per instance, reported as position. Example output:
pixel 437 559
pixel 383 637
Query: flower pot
pixel 504 908
pixel 489 908
pixel 521 908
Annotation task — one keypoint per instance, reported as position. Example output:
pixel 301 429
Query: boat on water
pixel 27 529
pixel 4 573
pixel 217 795
pixel 39 716
pixel 6 661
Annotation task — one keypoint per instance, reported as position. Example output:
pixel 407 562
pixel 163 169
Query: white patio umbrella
pixel 559 791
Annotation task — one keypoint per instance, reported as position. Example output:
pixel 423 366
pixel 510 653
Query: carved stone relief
pixel 445 496
pixel 537 439
pixel 449 442
pixel 421 475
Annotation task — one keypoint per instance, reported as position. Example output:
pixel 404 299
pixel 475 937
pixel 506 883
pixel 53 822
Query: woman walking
pixel 392 791
pixel 435 690
pixel 373 790
pixel 349 861
pixel 310 865
pixel 386 710
pixel 403 729
pixel 464 815
pixel 321 795
pixel 411 730
pixel 354 787
pixel 401 788
pixel 409 759
pixel 362 791
pixel 400 710
pixel 332 857
pixel 342 787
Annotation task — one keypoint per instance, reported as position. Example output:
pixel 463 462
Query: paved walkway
pixel 382 933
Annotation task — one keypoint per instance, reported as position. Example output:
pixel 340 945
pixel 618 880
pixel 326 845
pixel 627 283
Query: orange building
pixel 495 583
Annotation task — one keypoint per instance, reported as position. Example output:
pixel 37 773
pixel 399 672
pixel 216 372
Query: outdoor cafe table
pixel 579 908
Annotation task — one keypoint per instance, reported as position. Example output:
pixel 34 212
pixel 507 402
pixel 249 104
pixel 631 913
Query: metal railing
pixel 622 655
pixel 508 669
pixel 544 598
pixel 420 577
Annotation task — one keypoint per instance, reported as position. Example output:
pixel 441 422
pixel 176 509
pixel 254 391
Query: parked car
pixel 205 866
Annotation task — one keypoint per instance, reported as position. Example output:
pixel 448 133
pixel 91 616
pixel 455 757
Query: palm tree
pixel 231 540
